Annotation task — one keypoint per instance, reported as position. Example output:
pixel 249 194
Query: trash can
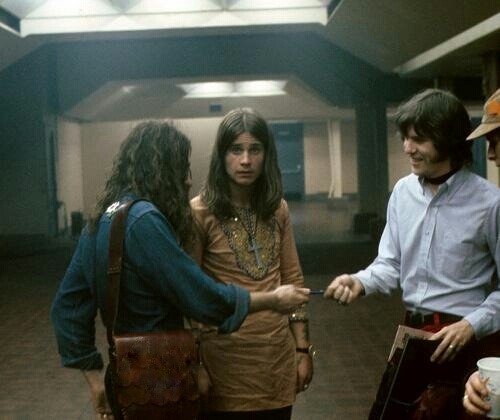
pixel 76 223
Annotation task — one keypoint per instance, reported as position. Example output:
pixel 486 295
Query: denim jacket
pixel 160 285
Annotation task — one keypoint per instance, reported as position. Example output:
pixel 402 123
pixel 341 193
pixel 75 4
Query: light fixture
pixel 234 89
pixel 128 89
pixel 77 16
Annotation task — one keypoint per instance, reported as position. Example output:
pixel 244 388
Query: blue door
pixel 289 139
pixel 478 152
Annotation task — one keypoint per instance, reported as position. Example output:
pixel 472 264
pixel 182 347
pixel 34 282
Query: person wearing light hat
pixel 490 127
pixel 474 399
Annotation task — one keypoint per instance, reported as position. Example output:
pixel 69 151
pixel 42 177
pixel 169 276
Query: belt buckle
pixel 417 317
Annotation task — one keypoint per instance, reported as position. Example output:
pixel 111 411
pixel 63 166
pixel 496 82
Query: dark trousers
pixel 442 398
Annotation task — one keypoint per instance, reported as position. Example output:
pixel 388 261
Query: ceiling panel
pixel 388 33
pixel 57 17
pixel 162 98
pixel 411 38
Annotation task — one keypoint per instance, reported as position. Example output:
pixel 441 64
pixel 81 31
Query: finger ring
pixel 466 397
pixel 451 346
pixel 305 386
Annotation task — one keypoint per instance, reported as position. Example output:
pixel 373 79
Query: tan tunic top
pixel 253 368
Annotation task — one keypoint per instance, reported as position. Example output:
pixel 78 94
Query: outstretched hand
pixel 289 298
pixel 344 289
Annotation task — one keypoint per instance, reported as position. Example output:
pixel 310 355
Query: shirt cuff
pixel 481 323
pixel 90 362
pixel 364 277
pixel 242 305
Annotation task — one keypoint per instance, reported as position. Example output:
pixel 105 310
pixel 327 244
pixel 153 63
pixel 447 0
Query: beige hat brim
pixel 482 129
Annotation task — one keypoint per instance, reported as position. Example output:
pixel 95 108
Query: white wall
pixel 398 163
pixel 316 158
pixel 82 180
pixel 349 157
pixel 100 143
pixel 201 132
pixel 69 168
pixel 86 154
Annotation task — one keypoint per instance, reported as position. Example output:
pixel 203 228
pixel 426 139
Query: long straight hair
pixel 153 163
pixel 267 191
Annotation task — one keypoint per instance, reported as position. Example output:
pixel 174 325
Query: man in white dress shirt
pixel 441 242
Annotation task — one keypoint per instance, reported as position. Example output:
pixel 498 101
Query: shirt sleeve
pixel 152 248
pixel 383 273
pixel 291 272
pixel 485 319
pixel 73 315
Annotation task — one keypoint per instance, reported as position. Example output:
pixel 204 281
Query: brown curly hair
pixel 153 163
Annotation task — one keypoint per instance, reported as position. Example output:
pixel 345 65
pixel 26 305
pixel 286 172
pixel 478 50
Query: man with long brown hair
pixel 244 236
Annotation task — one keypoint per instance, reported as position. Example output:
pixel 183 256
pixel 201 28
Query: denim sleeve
pixel 152 249
pixel 73 315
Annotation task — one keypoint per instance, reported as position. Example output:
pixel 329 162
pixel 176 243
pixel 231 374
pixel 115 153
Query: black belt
pixel 417 319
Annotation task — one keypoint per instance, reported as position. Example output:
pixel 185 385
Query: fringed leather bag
pixel 152 375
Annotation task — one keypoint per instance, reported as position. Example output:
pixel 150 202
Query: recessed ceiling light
pixel 234 89
pixel 261 87
pixel 129 88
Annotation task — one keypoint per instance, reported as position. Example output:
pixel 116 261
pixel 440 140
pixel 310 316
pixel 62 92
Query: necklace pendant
pixel 254 247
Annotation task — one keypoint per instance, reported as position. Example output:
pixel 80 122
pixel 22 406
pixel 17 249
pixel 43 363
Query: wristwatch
pixel 306 350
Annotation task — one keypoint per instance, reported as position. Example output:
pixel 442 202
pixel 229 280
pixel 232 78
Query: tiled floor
pixel 352 344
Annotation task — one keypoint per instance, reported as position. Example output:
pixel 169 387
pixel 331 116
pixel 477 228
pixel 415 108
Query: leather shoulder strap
pixel 115 264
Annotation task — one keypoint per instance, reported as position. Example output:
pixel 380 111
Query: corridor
pixel 352 343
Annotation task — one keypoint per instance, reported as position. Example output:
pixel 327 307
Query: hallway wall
pixel 86 153
pixel 69 167
pixel 81 178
